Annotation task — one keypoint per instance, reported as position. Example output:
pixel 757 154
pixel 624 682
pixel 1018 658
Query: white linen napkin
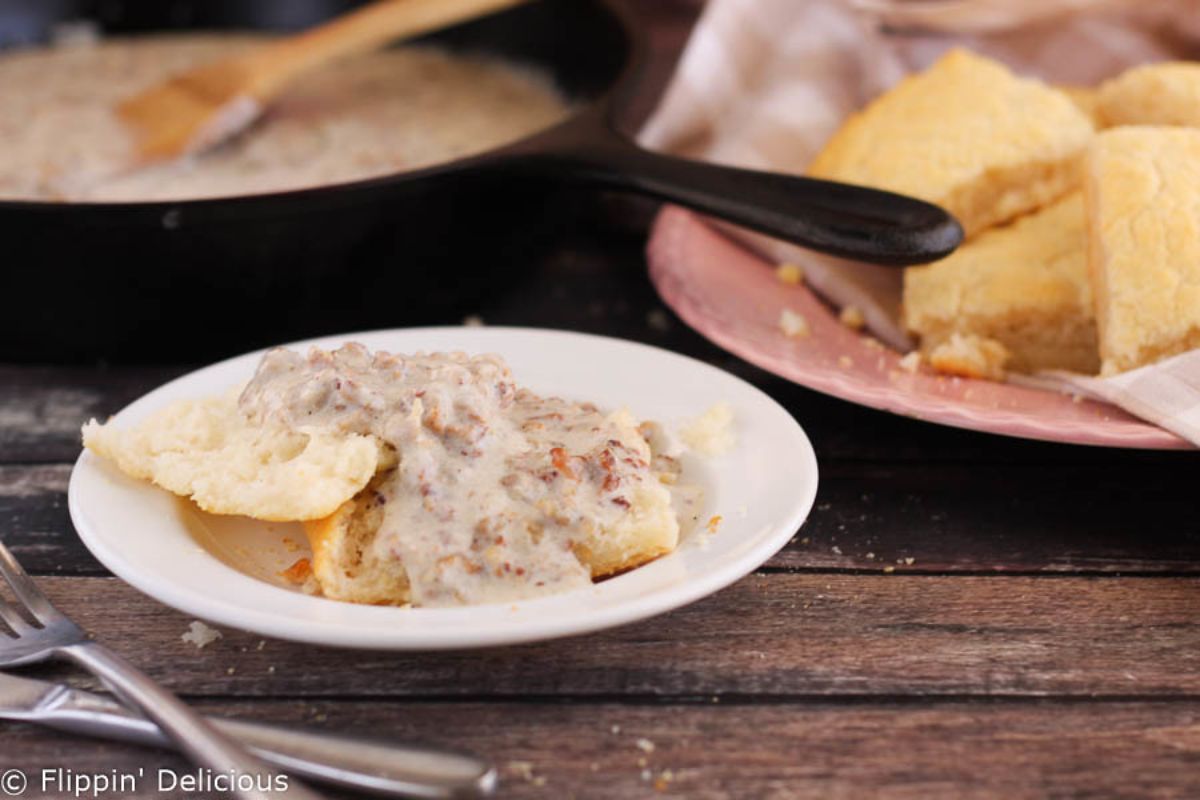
pixel 764 83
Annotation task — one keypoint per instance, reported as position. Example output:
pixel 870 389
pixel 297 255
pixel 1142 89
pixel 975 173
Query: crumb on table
pixel 200 634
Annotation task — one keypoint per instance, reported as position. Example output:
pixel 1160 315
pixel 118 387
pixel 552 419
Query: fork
pixel 48 634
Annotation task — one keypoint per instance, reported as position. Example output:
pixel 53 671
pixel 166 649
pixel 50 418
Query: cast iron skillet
pixel 196 279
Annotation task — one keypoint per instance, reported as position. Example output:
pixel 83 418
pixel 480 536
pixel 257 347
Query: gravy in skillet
pixel 392 111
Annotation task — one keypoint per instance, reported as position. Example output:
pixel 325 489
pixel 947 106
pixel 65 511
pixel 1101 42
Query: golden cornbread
pixel 968 135
pixel 1086 99
pixel 1024 286
pixel 1143 205
pixel 1152 94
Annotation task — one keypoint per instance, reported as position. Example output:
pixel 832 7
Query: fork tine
pixel 24 588
pixel 15 621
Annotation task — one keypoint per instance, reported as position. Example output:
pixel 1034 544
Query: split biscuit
pixel 208 451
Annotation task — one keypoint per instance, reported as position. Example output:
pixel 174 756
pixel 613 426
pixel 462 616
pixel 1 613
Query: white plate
pixel 224 569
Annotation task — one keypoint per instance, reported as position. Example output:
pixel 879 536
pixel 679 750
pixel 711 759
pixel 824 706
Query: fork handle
pixel 373 765
pixel 195 736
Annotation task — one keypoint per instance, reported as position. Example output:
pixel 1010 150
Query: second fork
pixel 47 634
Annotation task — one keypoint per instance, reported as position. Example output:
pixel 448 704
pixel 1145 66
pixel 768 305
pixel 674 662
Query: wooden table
pixel 962 615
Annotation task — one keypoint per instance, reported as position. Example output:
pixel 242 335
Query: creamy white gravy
pixel 494 486
pixel 391 111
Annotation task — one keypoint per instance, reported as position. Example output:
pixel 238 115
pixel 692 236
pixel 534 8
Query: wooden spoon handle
pixel 360 31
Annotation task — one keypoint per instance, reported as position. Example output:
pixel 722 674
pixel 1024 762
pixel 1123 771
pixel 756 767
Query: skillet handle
pixel 842 220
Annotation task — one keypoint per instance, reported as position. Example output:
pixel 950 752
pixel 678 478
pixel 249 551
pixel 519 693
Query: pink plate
pixel 732 297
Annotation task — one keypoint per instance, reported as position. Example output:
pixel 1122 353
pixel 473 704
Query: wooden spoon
pixel 201 108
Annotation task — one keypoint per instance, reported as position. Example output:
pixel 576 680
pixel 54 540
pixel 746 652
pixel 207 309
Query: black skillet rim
pixel 603 104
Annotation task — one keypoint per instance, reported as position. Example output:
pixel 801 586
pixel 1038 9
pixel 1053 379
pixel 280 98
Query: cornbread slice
pixel 1143 204
pixel 1167 93
pixel 967 135
pixel 1086 99
pixel 208 451
pixel 1024 286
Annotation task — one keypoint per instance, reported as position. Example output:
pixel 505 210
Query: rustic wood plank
pixel 37 526
pixel 770 636
pixel 42 408
pixel 1021 750
pixel 943 518
pixel 1065 518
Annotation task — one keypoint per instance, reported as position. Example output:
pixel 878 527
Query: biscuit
pixel 1143 205
pixel 967 135
pixel 208 451
pixel 1153 94
pixel 344 563
pixel 1024 286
